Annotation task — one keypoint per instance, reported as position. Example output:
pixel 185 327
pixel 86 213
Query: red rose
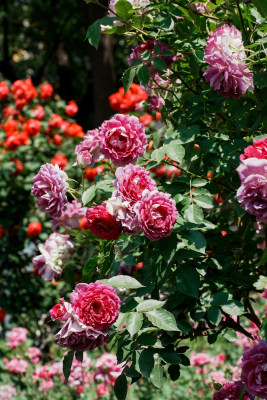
pixel 2 314
pixel 32 127
pixel 83 224
pixel 2 231
pixel 102 223
pixel 46 91
pixel 60 160
pixel 34 229
pixel 146 119
pixel 4 91
pixel 71 108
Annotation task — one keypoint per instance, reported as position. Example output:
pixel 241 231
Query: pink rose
pixel 131 181
pixel 257 150
pixel 61 311
pixel 17 366
pixel 232 390
pixel 97 305
pixel 16 336
pixel 122 139
pixel 200 359
pixel 34 354
pixel 102 390
pixel 108 368
pixel 157 214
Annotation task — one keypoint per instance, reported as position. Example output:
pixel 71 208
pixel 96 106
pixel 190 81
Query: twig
pixel 242 22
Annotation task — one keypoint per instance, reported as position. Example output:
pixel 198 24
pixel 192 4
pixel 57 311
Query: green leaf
pixel 242 392
pixel 79 356
pixel 67 362
pixel 264 328
pixel 170 357
pixel 159 64
pixel 175 151
pixel 194 214
pixel 127 79
pixel 94 34
pixel 148 305
pixel 157 376
pixel 167 247
pixel 89 266
pixel 146 362
pixel 134 322
pixel 162 319
pixel 174 371
pixel 106 258
pixel 124 282
pixel 194 240
pixel 260 79
pixel 233 307
pixel 121 387
pixel 123 8
pixel 204 201
pixel 214 315
pixel 229 334
pixel 199 182
pixel 143 75
pixel 261 7
pixel 105 186
pixel 187 280
pixel 220 298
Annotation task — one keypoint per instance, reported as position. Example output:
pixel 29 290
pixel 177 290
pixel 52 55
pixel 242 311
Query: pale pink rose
pixel 126 215
pixel 41 373
pixel 34 354
pixel 219 359
pixel 122 139
pixel 236 373
pixel 244 341
pixel 200 359
pixel 131 181
pixel 77 336
pixel 216 376
pixel 87 151
pixel 16 336
pixel 108 368
pixel 56 250
pixel 96 305
pixel 79 374
pixel 7 392
pixel 70 216
pixel 46 385
pixel 17 366
pixel 157 214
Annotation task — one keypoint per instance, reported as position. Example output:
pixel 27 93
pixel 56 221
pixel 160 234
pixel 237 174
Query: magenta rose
pixel 122 139
pixel 70 216
pixel 62 311
pixel 97 305
pixel 131 181
pixel 252 194
pixel 232 391
pixel 257 150
pixel 77 336
pixel 157 214
pixel 50 189
pixel 254 370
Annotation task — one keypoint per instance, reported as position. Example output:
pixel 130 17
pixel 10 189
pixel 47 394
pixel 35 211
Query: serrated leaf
pixel 94 34
pixel 261 7
pixel 106 258
pixel 187 280
pixel 148 305
pixel 105 186
pixel 67 363
pixel 214 315
pixel 121 387
pixel 159 64
pixel 89 266
pixel 233 307
pixel 204 201
pixel 162 319
pixel 157 376
pixel 127 79
pixel 194 214
pixel 134 322
pixel 199 182
pixel 229 334
pixel 124 282
pixel 123 8
pixel 143 75
pixel 146 362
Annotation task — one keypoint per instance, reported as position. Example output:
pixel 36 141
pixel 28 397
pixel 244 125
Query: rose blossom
pixel 56 250
pixel 254 370
pixel 78 374
pixel 131 181
pixel 102 223
pixel 16 336
pixel 97 305
pixel 102 389
pixel 46 385
pixel 50 189
pixel 70 216
pixel 157 214
pixel 257 150
pixel 126 215
pixel 34 354
pixel 122 139
pixel 231 391
pixel 200 359
pixel 252 194
pixel 61 311
pixel 155 103
pixel 108 368
pixel 17 366
pixel 7 392
pixel 87 151
pixel 77 336
pixel 225 52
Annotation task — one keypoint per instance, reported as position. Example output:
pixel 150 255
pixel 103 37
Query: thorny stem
pixel 242 22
